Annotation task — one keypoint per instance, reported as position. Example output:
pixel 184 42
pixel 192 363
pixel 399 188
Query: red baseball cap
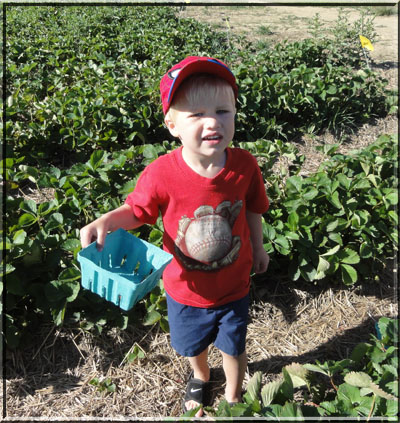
pixel 189 66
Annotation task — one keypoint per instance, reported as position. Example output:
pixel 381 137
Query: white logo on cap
pixel 173 74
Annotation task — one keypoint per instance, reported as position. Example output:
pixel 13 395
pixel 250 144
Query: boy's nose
pixel 212 122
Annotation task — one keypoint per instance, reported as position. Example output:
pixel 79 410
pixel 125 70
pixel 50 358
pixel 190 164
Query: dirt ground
pixel 288 322
pixel 277 23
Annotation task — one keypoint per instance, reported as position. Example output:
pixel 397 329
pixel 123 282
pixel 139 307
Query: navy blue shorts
pixel 193 329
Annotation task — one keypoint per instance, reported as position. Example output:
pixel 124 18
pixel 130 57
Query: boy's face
pixel 205 128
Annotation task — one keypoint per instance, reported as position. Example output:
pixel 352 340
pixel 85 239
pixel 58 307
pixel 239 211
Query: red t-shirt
pixel 205 225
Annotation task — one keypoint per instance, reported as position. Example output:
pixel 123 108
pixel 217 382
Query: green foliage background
pixel 83 118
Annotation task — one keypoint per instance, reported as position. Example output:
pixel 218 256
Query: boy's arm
pixel 260 257
pixel 122 217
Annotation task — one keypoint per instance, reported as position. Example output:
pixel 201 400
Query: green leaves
pixel 75 99
pixel 294 185
pixel 42 241
pixel 349 274
pixel 83 122
pixel 359 379
pixel 254 386
pixel 104 386
pixel 93 91
pixel 357 387
pixel 156 308
pixel 96 159
pixel 347 257
pixel 270 391
pixel 27 220
pixel 61 290
pixel 370 390
pixel 331 224
pixel 55 220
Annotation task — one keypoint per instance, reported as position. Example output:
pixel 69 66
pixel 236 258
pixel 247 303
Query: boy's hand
pixel 122 217
pixel 260 260
pixel 95 231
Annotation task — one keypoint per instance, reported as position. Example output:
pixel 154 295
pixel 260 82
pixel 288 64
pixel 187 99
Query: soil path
pixel 277 23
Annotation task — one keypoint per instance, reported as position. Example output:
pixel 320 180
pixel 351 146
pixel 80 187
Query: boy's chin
pixel 213 143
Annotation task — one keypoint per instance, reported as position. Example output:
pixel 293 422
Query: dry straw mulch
pixel 288 323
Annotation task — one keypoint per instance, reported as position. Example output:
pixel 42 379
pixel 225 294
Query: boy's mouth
pixel 213 138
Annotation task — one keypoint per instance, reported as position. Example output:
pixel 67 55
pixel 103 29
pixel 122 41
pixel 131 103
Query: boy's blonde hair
pixel 197 88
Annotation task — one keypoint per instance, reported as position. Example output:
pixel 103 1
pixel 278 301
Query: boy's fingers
pixel 256 267
pixel 261 266
pixel 101 236
pixel 86 237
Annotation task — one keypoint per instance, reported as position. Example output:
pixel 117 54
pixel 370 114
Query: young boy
pixel 211 198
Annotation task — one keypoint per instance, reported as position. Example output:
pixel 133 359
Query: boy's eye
pixel 218 112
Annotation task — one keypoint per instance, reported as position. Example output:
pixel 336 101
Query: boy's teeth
pixel 216 137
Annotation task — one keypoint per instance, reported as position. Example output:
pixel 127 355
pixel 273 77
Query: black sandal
pixel 197 391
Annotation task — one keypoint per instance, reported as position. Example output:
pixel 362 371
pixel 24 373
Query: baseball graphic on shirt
pixel 208 238
pixel 205 242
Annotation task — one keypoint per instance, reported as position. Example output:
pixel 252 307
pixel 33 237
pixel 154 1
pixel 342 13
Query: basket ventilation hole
pixel 123 261
pixel 104 291
pixel 119 300
pixel 136 269
pixel 109 261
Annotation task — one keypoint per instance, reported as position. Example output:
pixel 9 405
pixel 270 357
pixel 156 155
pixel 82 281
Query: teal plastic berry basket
pixel 125 271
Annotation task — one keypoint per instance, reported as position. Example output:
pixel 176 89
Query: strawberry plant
pixel 96 86
pixel 306 99
pixel 364 385
pixel 42 240
pixel 339 222
pixel 105 386
pixel 83 118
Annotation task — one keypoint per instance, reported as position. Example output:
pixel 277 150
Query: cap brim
pixel 202 66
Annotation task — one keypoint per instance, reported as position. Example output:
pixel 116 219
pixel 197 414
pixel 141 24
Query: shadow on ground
pixel 337 348
pixel 52 361
pixel 280 292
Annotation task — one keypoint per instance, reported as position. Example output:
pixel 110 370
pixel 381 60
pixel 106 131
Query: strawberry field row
pixel 83 118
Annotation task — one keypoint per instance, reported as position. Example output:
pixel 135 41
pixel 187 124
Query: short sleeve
pixel 144 199
pixel 256 198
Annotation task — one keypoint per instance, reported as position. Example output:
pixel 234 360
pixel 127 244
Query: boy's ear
pixel 171 127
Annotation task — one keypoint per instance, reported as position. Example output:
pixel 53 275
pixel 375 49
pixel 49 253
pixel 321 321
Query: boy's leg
pixel 192 331
pixel 235 369
pixel 201 371
pixel 200 367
